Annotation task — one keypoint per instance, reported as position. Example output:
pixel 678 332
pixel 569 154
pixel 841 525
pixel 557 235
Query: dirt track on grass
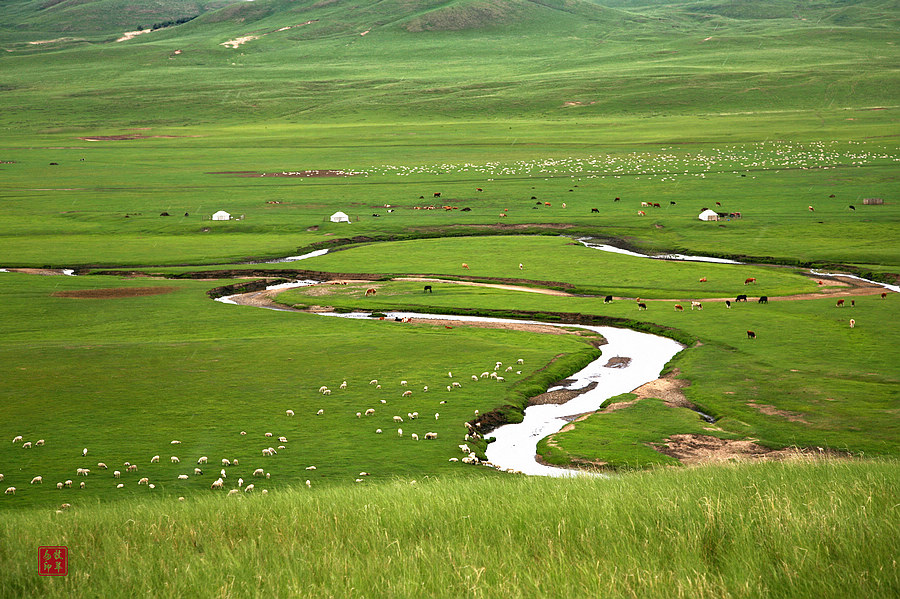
pixel 113 293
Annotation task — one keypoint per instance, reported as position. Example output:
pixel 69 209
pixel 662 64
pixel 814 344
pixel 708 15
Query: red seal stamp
pixel 53 560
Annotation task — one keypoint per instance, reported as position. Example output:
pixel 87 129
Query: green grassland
pixel 531 114
pixel 825 530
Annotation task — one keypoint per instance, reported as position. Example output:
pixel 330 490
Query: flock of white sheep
pixel 411 418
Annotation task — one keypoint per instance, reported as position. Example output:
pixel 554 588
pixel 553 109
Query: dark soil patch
pixel 113 293
pixel 560 396
pixel 315 173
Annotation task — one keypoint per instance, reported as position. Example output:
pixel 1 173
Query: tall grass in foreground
pixel 799 529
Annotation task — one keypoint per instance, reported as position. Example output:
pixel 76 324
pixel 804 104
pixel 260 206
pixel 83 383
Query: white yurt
pixel 708 215
pixel 340 217
pixel 221 215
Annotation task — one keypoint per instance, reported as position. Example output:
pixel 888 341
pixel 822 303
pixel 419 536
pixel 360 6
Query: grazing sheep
pixel 144 481
pixel 265 491
pixel 378 386
pixel 152 486
pixel 398 419
pixel 430 436
pixel 359 414
pixel 243 432
pixel 68 483
pixel 308 483
pixel 370 412
pixel 234 492
pixel 226 462
pixel 17 438
pixel 456 385
pixel 326 392
pixel 249 488
pixel 343 385
pixel 415 437
pixel 464 448
pixel 384 401
pixel 116 474
pixel 501 379
pixel 102 466
pixel 310 467
pixel 258 472
pixel 197 471
pixel 852 323
pixel 425 389
pixel 268 435
pixel 38 442
pixel 289 412
pixel 268 475
pixel 182 477
pixel 175 442
pixel 280 440
pixel 266 452
pixel 407 393
pixel 474 378
pixel 453 460
pixel 373 382
pixel 84 452
pixel 59 485
pixel 320 412
pixel 174 459
pixel 402 383
pixel 10 490
pixel 436 415
pixel 82 471
pixel 222 473
pixel 132 468
pixel 37 480
pixel 120 485
pixel 234 462
pixel 218 484
pixel 240 482
pixel 26 445
pixel 377 431
pixel 202 459
pixel 399 432
pixel 449 388
pixel 154 459
pixel 520 361
pixel 485 374
pixel 415 415
pixel 323 389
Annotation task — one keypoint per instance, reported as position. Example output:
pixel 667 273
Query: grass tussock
pixel 798 529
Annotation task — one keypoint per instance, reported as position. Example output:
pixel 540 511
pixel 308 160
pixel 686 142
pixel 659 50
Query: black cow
pixel 437 194
pixel 466 209
pixel 751 335
pixel 617 199
pixel 741 298
pixel 642 306
pixel 727 303
pixel 593 210
pixel 671 203
pixel 607 299
pixel 427 289
pixel 852 207
pixel 375 215
pixel 763 299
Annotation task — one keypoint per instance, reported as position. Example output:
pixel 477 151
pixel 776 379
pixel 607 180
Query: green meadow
pixel 491 133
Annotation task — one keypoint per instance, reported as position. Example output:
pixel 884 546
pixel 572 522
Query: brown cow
pixel 466 266
pixel 370 291
pixel 751 335
pixel 679 308
pixel 883 294
pixel 749 280
pixel 703 280
pixel 840 303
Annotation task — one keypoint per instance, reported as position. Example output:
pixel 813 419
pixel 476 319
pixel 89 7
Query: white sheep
pixel 174 459
pixel 377 431
pixel 280 440
pixel 402 383
pixel 17 438
pixel 320 412
pixel 175 442
pixel 38 442
pixel 84 452
pixel 437 415
pixel 102 466
pixel 520 361
pixel 450 374
pixel 26 445
pixel 240 482
pixel 226 462
pixel 415 437
pixel 359 414
pixel 407 393
pixel 152 486
pixel 457 385
pixel 425 389
pixel 453 459
pixel 234 492
pixel 308 483
pixel 197 471
pixel 182 477
pixel 120 485
pixel 378 386
pixel 430 436
pixel 154 459
pixel 222 473
pixel 485 374
pixel 449 388
pixel 218 484
pixel 59 485
pixel 370 412
pixel 249 488
pixel 464 448
pixel 1 477
pixel 82 471
pixel 243 432
pixel 310 467
pixel 399 432
pixel 281 447
pixel 398 419
pixel 268 435
pixel 343 385
pixel 383 401
pixel 500 379
pixel 373 382
pixel 258 472
pixel 132 468
pixel 326 392
pixel 68 483
pixel 266 452
pixel 10 490
pixel 144 481
pixel 265 491
pixel 475 378
pixel 116 474
pixel 37 480
pixel 509 369
pixel 289 412
pixel 202 459
pixel 322 389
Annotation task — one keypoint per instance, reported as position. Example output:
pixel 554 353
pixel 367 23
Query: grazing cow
pixel 617 199
pixel 427 289
pixel 852 207
pixel 718 203
pixel 656 204
pixel 370 291
pixel 883 294
pixel 852 323
pixel 749 280
pixel 679 308
pixel 466 266
pixel 751 335
pixel 642 306
pixel 727 303
pixel 703 280
pixel 811 209
pixel 697 305
pixel 478 189
pixel 852 303
pixel 641 213
pixel 671 203
pixel 607 299
pixel 840 303
pixel 595 210
pixel 437 194
pixel 763 299
pixel 741 298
